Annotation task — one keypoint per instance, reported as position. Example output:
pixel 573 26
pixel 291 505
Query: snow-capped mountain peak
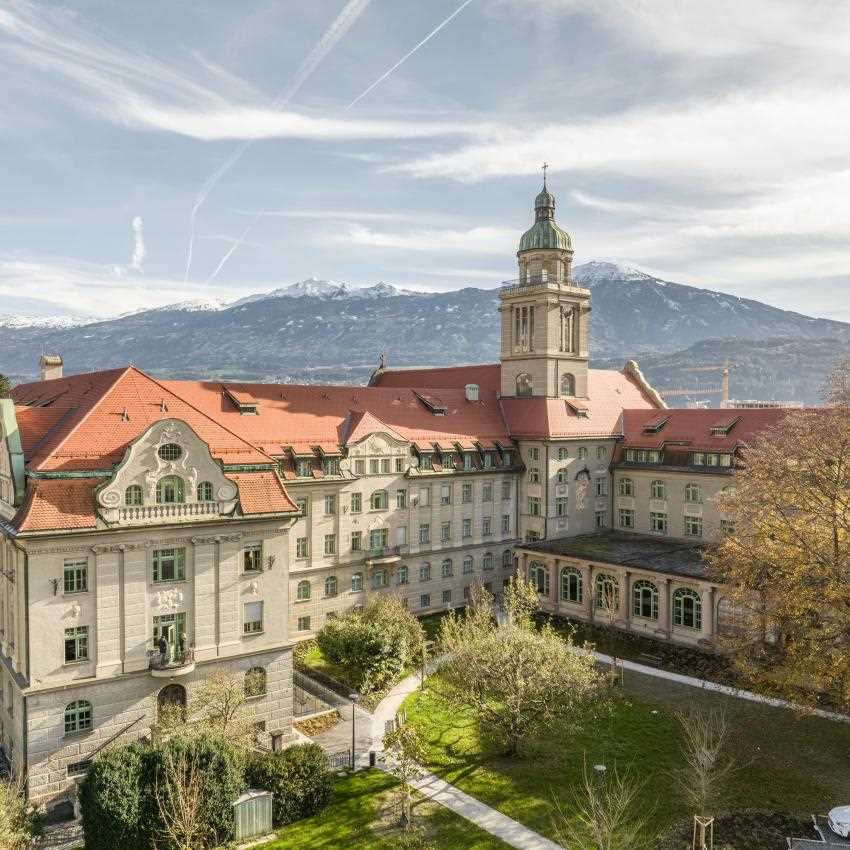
pixel 7 321
pixel 597 271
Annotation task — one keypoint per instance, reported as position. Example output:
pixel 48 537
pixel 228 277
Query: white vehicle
pixel 839 821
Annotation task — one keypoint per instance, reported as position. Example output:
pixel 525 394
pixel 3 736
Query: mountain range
pixel 324 331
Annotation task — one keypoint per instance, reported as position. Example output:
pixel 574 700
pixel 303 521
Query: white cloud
pixel 476 240
pixel 139 250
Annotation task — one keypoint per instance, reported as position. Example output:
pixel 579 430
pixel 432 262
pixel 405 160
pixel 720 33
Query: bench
pixel 650 660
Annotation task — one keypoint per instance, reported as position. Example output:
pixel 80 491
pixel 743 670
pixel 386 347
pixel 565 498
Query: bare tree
pixel 604 813
pixel 5 386
pixel 179 797
pixel 17 817
pixel 405 754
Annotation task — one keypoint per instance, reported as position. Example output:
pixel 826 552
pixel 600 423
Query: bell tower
pixel 544 314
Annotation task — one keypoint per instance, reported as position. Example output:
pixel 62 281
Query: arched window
pixel 303 590
pixel 658 489
pixel 205 491
pixel 572 585
pixel 170 452
pixel 626 487
pixel 538 573
pixel 255 682
pixel 645 600
pixel 563 475
pixel 356 582
pixel 524 384
pixel 330 586
pixel 607 592
pixel 133 495
pixel 446 569
pixel 568 384
pixel 693 493
pixel 687 608
pixel 507 559
pixel 78 717
pixel 169 490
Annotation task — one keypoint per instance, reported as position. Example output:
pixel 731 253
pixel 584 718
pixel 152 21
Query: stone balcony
pixel 144 514
pixel 181 664
pixel 385 555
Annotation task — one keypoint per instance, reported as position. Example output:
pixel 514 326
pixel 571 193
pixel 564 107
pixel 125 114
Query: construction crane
pixel 722 388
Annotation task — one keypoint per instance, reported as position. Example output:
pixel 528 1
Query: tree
pixel 179 799
pixel 18 819
pixel 605 813
pixel 515 680
pixel 5 386
pixel 786 560
pixel 405 754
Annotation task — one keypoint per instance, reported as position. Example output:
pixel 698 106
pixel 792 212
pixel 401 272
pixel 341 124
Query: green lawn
pixel 788 763
pixel 358 819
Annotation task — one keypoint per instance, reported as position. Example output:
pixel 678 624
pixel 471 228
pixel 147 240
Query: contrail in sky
pixel 334 33
pixel 237 244
pixel 409 54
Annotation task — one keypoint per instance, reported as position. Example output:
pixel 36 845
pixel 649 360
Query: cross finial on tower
pixel 545 166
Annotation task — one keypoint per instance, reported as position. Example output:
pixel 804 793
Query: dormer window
pixel 133 496
pixel 330 465
pixel 169 490
pixel 467 461
pixel 303 468
pixel 205 491
pixel 426 461
pixel 170 452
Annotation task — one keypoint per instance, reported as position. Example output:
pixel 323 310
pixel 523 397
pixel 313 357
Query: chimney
pixel 471 392
pixel 50 366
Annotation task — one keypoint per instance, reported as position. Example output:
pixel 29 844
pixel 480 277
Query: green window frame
pixel 303 592
pixel 645 600
pixel 76 644
pixel 205 491
pixel 78 717
pixel 356 541
pixel 169 565
pixel 356 582
pixel 133 496
pixel 252 618
pixel 76 576
pixel 687 609
pixel 252 558
pixel 170 490
pixel 331 587
pixel 356 503
pixel 572 585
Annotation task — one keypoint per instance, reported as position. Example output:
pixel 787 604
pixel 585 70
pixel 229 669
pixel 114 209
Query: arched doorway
pixel 171 700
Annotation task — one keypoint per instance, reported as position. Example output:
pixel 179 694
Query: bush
pixel 374 645
pixel 298 777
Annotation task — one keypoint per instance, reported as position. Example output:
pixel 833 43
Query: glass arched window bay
pixel 205 491
pixel 303 591
pixel 607 592
pixel 572 585
pixel 687 608
pixel 645 600
pixel 330 586
pixel 133 495
pixel 78 717
pixel 568 384
pixel 524 384
pixel 538 573
pixel 170 490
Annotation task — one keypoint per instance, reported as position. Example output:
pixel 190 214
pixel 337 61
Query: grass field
pixel 787 763
pixel 361 818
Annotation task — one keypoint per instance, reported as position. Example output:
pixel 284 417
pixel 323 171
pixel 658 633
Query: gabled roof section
pixel 361 423
pixel 58 505
pixel 262 493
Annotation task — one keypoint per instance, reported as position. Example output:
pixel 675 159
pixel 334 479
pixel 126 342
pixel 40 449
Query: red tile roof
pixel 262 493
pixel 58 504
pixel 488 376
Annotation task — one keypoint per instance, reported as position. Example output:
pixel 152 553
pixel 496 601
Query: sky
pixel 157 152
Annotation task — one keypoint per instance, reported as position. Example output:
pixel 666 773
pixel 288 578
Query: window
pixel 466 492
pixel 330 544
pixel 401 535
pixel 356 582
pixel 255 682
pixel 487 561
pixel 693 493
pixel 486 526
pixel 76 644
pixel 601 486
pixel 303 593
pixel 425 600
pixel 425 571
pixel 467 566
pixel 506 524
pixel 607 592
pixel 445 532
pixel 709 459
pixel 524 384
pixel 658 523
pixel 601 519
pixel 693 526
pixel 303 468
pixel 539 576
pixel 506 490
pixel 359 467
pixel 76 576
pixel 330 505
pixel 205 491
pixel 402 574
pixel 563 453
pixel 447 597
pixel 600 452
pixel 687 608
pixel 169 490
pixel 627 518
pixel 582 453
pixel 380 578
pixel 643 456
pixel 356 503
pixel 467 461
pixel 133 495
pixel 626 487
pixel 658 489
pixel 78 717
pixel 301 547
pixel 169 564
pixel 447 569
pixel 399 464
pixel 304 623
pixel 424 533
pixel 252 618
pixel 379 539
pixel 170 452
pixel 488 460
pixel 562 476
pixel 568 385
pixel 561 505
pixel 727 527
pixel 487 492
pixel 507 559
pixel 252 558
pixel 330 586
pixel 301 502
pixel 426 461
pixel 374 466
pixel 467 528
pixel 534 506
pixel 645 600
pixel 534 453
pixel 572 585
pixel 385 466
pixel 445 494
pixel 424 497
pixel 533 475
pixel 401 498
pixel 379 501
pixel 356 541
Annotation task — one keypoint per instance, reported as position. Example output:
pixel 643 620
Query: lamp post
pixel 353 698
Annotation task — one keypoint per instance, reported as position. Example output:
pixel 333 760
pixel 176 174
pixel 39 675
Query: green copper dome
pixel 544 233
